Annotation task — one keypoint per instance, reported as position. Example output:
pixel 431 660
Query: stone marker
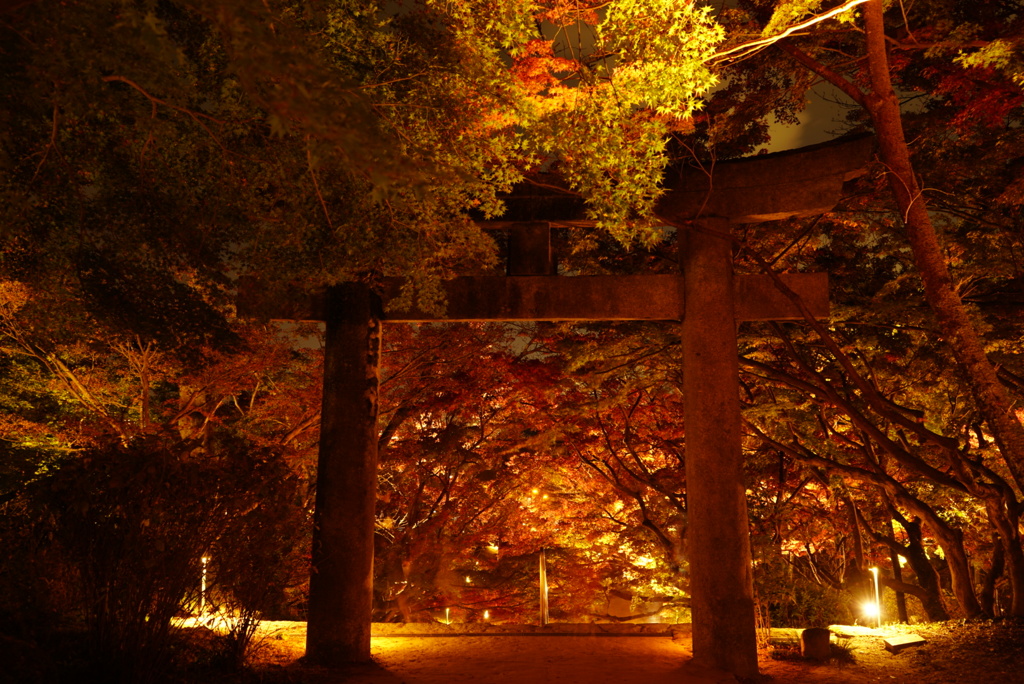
pixel 815 643
pixel 898 643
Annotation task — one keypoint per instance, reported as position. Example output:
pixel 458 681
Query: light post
pixel 202 587
pixel 544 617
pixel 878 600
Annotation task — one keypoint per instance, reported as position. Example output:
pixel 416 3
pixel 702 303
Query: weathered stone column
pixel 341 584
pixel 718 536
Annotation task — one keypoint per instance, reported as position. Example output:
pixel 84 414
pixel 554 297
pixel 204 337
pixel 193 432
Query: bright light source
pixel 870 609
pixel 487 615
pixel 535 492
pixel 202 586
pixel 469 580
pixel 878 600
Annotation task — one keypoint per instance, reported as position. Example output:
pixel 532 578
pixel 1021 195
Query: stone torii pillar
pixel 341 583
pixel 801 183
pixel 706 297
pixel 718 538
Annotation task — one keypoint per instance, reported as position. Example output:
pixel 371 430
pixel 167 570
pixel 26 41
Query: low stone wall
pixel 420 629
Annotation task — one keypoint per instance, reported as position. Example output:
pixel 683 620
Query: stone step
pixel 898 643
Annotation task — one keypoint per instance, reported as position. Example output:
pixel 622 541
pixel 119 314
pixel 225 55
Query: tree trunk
pixel 859 580
pixel 949 538
pixel 987 596
pixel 897 574
pixel 1015 569
pixel 341 584
pixel 927 578
pixel 959 332
pixel 1009 538
pixel 952 543
pixel 858 540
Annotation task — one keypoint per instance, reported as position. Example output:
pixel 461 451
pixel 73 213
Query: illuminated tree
pixel 870 83
pixel 478 477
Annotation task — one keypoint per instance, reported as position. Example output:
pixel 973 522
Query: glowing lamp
pixel 878 599
pixel 202 586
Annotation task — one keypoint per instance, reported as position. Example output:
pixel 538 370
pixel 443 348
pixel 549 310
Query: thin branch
pixel 52 145
pixel 195 116
pixel 309 421
pixel 394 80
pixel 836 79
pixel 810 226
pixel 749 48
pixel 316 185
pixel 951 45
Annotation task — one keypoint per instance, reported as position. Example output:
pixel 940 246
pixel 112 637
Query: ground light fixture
pixel 543 587
pixel 878 600
pixel 202 586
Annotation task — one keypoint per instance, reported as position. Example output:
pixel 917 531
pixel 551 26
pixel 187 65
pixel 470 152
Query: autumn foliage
pixel 145 426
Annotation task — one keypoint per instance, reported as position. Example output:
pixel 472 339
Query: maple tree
pixel 866 347
pixel 871 402
pixel 477 478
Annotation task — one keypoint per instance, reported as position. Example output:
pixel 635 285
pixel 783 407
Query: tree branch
pixel 836 79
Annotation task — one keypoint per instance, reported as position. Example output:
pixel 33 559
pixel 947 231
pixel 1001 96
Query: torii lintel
pixel 563 298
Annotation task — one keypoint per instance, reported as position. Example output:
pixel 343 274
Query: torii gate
pixel 708 300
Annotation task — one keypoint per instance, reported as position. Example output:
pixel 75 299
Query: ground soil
pixel 954 653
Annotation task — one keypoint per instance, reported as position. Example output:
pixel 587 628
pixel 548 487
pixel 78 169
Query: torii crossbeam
pixel 705 297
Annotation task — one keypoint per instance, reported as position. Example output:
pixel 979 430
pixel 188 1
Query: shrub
pixel 131 523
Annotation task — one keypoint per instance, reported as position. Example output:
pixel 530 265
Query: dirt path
pixel 516 660
pixel 980 653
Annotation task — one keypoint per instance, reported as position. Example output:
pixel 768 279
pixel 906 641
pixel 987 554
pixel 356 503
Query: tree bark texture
pixel 948 538
pixel 341 584
pixel 954 322
pixel 1008 529
pixel 934 608
pixel 897 574
pixel 718 543
pixel 995 571
pixel 951 541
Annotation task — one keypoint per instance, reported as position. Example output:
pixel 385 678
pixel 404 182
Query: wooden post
pixel 341 583
pixel 718 538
